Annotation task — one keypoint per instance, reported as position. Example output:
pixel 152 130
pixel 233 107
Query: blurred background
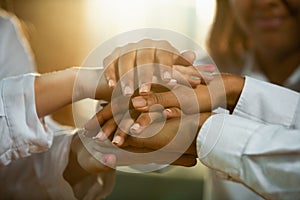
pixel 63 32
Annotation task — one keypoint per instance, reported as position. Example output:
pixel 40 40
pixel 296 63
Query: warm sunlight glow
pixel 188 17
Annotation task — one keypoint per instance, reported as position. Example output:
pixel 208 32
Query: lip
pixel 272 22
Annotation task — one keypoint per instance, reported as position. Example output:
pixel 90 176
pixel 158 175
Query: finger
pixel 119 105
pixel 186 75
pixel 98 119
pixel 107 129
pixel 165 55
pixel 121 133
pixel 145 62
pixel 144 103
pixel 109 160
pixel 144 120
pixel 110 63
pixel 206 68
pixel 193 74
pixel 206 72
pixel 157 140
pixel 126 65
pixel 172 112
pixel 186 58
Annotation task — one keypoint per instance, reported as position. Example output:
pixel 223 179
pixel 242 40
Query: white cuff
pixel 267 103
pixel 221 142
pixel 22 131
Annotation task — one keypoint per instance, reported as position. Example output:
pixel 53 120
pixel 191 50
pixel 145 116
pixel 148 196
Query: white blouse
pixel 25 172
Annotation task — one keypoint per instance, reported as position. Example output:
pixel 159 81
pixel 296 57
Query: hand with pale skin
pixel 151 58
pixel 57 89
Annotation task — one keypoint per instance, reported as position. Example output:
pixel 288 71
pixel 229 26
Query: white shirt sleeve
pixel 40 176
pixel 22 132
pixel 268 103
pixel 16 57
pixel 259 145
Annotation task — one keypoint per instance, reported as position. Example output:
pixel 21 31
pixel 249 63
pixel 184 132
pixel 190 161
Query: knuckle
pixel 176 111
pixel 158 99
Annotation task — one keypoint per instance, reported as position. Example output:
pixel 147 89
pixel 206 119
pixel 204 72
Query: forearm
pixel 53 91
pixel 223 91
pixel 56 90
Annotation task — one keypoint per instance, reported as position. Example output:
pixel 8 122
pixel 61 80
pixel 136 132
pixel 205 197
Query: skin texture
pixel 158 106
pixel 150 58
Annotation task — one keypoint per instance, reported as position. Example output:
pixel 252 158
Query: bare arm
pixel 58 89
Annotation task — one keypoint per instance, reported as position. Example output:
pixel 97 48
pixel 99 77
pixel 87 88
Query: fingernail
pixel 167 75
pixel 109 160
pixel 172 82
pixel 167 112
pixel 128 91
pixel 135 127
pixel 139 102
pixel 208 74
pixel 117 139
pixel 111 83
pixel 195 78
pixel 210 67
pixel 144 88
pixel 100 136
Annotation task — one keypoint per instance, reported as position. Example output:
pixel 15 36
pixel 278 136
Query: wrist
pixel 233 87
pixel 53 91
pixel 90 83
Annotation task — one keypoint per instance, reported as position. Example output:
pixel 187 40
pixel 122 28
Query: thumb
pixel 186 58
pixel 144 103
pixel 182 97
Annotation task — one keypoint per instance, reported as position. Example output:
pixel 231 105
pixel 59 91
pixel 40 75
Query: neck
pixel 277 67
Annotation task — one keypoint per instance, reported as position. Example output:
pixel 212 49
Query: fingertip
pixel 167 113
pixel 190 56
pixel 144 89
pixel 207 78
pixel 135 129
pixel 210 67
pixel 166 76
pixel 139 102
pixel 194 82
pixel 111 83
pixel 118 140
pixel 100 136
pixel 172 82
pixel 110 160
pixel 206 68
pixel 127 91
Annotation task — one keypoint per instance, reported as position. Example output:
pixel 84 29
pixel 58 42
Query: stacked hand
pixel 158 105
